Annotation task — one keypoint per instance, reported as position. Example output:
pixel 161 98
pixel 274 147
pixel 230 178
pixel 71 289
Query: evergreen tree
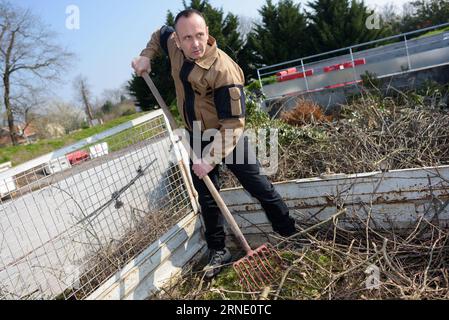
pixel 222 28
pixel 107 107
pixel 160 74
pixel 279 37
pixel 336 24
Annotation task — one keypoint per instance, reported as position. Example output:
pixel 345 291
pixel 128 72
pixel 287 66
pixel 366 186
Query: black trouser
pixel 256 184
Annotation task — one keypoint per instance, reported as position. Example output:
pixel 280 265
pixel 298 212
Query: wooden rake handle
pixel 218 199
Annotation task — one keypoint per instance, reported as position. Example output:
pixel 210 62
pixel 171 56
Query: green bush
pixel 85 125
pixel 128 112
pixel 370 80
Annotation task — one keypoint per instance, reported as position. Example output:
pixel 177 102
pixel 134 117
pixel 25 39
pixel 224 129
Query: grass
pixel 296 286
pixel 23 153
pixel 434 32
pixel 131 136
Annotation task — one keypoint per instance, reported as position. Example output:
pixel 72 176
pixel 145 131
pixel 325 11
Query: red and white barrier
pixel 344 65
pixel 292 73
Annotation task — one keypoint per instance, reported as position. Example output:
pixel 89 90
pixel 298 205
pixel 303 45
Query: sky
pixel 112 32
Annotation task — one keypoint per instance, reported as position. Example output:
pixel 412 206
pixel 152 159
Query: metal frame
pixel 352 47
pixel 64 234
pixel 262 72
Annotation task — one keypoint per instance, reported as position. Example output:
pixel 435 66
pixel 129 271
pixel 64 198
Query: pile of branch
pixel 110 258
pixel 369 135
pixel 327 261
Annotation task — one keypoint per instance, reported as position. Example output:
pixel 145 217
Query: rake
pixel 255 270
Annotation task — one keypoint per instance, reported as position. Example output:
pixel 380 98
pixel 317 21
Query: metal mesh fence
pixel 67 224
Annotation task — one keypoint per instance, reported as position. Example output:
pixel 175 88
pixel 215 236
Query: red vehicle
pixel 78 157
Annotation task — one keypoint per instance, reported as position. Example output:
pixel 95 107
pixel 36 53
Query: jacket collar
pixel 210 56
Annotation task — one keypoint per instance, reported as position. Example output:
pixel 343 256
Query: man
pixel 209 90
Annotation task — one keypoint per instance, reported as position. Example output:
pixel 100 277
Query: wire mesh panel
pixel 345 67
pixel 69 223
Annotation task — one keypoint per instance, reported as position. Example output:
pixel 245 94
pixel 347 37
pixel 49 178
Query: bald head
pixel 192 33
pixel 187 14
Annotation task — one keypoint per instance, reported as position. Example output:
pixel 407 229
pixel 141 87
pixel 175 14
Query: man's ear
pixel 178 43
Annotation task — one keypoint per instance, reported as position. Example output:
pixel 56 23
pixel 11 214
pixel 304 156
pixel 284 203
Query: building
pixel 26 134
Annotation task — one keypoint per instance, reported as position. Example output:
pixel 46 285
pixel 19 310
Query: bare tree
pixel 389 12
pixel 83 91
pixel 391 17
pixel 29 58
pixel 61 114
pixel 25 106
pixel 116 96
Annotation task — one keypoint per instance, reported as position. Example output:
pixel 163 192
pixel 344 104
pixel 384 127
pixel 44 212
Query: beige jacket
pixel 208 90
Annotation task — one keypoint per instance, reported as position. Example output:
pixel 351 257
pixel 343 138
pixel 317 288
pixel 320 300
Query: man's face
pixel 192 35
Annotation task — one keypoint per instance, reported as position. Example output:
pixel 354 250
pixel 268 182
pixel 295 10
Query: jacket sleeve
pixel 229 99
pixel 158 43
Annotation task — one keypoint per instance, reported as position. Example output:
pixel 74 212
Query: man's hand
pixel 202 169
pixel 141 65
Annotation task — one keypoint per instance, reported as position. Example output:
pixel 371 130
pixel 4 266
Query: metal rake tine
pixel 261 265
pixel 252 269
pixel 253 262
pixel 241 274
pixel 248 280
pixel 248 272
pixel 269 263
pixel 264 264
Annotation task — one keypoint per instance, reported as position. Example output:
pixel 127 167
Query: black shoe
pixel 288 232
pixel 217 258
pixel 287 228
